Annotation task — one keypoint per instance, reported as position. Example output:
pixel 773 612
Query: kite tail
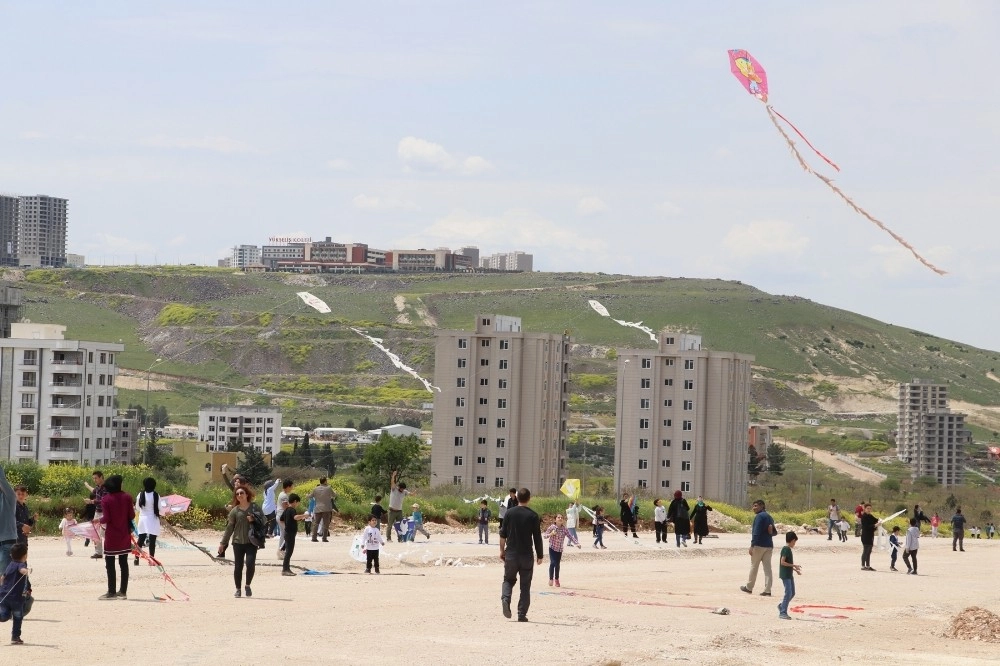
pixel 850 202
pixel 771 109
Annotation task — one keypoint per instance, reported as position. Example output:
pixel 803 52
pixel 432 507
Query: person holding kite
pixel 627 513
pixel 117 513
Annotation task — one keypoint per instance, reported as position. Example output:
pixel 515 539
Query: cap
pixel 415 506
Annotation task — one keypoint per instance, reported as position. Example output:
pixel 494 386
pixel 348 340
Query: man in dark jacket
pixel 522 530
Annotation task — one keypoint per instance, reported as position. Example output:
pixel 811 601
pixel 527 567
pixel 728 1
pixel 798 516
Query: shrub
pixel 178 314
pixel 24 473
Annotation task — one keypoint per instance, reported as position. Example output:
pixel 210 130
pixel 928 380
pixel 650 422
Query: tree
pixel 349 424
pixel 387 454
pixel 235 446
pixel 253 467
pixel 775 460
pixel 305 452
pixel 326 460
pixel 753 462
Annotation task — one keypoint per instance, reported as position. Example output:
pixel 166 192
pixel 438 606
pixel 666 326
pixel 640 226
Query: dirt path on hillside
pixel 831 460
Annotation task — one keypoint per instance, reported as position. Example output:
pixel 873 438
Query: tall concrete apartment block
pixel 684 419
pixel 500 419
pixel 32 231
pixel 57 398
pixel 931 437
pixel 222 425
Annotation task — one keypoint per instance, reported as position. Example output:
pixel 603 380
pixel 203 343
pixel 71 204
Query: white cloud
pixel 215 144
pixel 767 238
pixel 667 208
pixel 422 155
pixel 32 135
pixel 368 202
pixel 339 164
pixel 591 206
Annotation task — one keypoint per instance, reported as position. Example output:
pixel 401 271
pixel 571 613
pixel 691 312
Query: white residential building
pixel 244 256
pixel 223 425
pixel 57 398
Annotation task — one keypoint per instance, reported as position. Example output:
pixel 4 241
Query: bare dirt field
pixel 635 603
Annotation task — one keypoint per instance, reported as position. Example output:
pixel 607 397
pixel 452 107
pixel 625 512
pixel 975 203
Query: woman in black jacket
pixel 679 513
pixel 699 519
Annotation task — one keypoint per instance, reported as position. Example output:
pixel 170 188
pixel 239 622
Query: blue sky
pixel 598 136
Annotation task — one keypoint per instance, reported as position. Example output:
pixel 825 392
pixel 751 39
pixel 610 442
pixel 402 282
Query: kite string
pixel 808 143
pixel 836 190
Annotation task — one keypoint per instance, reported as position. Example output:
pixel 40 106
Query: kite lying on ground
pixel 753 77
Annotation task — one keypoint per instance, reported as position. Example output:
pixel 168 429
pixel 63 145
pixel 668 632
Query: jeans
pixel 555 559
pixel 957 537
pixel 419 527
pixel 5 555
pixel 244 552
pixel 599 535
pixel 109 564
pixel 13 609
pixel 892 558
pixel 907 556
pixel 518 565
pixel 830 522
pixel 286 563
pixel 760 555
pixel 572 530
pixel 789 584
pixel 484 533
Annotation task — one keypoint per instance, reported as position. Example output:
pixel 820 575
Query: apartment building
pixel 931 438
pixel 500 419
pixel 508 261
pixel 683 420
pixel 125 437
pixel 244 256
pixel 32 231
pixel 57 398
pixel 260 427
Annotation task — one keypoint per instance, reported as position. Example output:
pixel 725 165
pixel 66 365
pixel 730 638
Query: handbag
pixel 258 528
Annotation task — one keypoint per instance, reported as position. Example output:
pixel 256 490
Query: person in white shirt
pixel 833 517
pixel 147 506
pixel 660 520
pixel 911 546
pixel 573 517
pixel 371 541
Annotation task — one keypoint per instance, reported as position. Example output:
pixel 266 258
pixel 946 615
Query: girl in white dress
pixel 147 505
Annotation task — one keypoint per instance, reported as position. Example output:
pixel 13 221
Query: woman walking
pixel 699 519
pixel 679 513
pixel 243 513
pixel 148 506
pixel 117 512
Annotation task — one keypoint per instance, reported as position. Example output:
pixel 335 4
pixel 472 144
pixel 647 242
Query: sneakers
pixel 744 588
pixel 122 596
pixel 765 594
pixel 505 606
pixel 288 573
pixel 238 594
pixel 604 547
pixel 550 582
pixel 368 571
pixel 247 590
pixel 136 561
pixel 557 582
pixel 69 553
pixel 18 641
pixel 108 596
pixel 522 618
pixel 96 556
pixel 784 616
pixel 895 569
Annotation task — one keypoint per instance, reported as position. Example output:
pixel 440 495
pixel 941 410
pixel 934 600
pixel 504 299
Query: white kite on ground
pixel 603 311
pixel 314 302
pixel 396 361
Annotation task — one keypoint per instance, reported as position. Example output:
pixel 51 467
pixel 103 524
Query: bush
pixel 24 474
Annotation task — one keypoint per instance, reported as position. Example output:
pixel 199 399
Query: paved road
pixel 830 460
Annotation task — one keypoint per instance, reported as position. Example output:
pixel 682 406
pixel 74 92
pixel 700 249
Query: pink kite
pixel 85 530
pixel 172 504
pixel 752 76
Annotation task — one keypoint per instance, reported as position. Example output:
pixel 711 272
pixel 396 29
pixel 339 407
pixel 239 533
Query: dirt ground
pixel 437 601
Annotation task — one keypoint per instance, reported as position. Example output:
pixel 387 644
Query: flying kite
pixel 603 311
pixel 752 76
pixel 314 302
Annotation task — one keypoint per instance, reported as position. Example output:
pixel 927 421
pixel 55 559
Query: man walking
pixel 8 521
pixel 99 492
pixel 761 547
pixel 397 493
pixel 507 504
pixel 832 517
pixel 521 530
pixel 958 530
pixel 324 496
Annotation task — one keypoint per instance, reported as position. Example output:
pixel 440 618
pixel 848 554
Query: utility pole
pixel 809 495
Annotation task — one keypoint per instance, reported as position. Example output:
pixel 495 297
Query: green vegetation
pixel 177 314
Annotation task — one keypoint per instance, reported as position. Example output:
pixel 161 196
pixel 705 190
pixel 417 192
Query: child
pixel 89 514
pixel 309 514
pixel 418 521
pixel 660 520
pixel 372 540
pixel 599 522
pixel 290 526
pixel 25 521
pixel 483 522
pixel 894 547
pixel 785 574
pixel 378 511
pixel 12 590
pixel 557 539
pixel 843 526
pixel 69 519
pixel 912 544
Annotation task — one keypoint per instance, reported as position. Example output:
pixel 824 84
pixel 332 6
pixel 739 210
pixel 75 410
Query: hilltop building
pixel 683 419
pixel 508 261
pixel 500 419
pixel 259 427
pixel 57 398
pixel 125 437
pixel 244 256
pixel 32 231
pixel 931 438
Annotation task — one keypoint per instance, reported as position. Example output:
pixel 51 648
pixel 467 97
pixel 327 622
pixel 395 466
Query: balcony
pixel 65 408
pixel 61 433
pixel 27 427
pixel 66 388
pixel 64 446
pixel 67 361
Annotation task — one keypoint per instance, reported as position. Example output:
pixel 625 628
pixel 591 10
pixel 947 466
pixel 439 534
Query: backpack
pixel 258 528
pixel 682 511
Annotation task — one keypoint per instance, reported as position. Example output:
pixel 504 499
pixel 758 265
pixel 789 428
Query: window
pixel 643 443
pixel 669 341
pixel 460 402
pixel 643 463
pixel 480 480
pixel 26 443
pixel 103 357
pixel 499 482
pixel 484 401
pixel 685 465
pixel 458 460
pixel 668 382
pixel 668 403
pixel 456 480
pixel 484 381
pixel 100 401
pixel 86 442
pixel 664 463
pixel 88 401
pixel 689 364
pixel 644 424
pixel 501 423
pixel 688 405
pixel 686 486
pixel 100 379
pixel 100 421
pixel 502 383
pixel 460 382
pixel 688 384
pixel 463 343
pixel 484 343
pixel 686 445
pixel 665 483
pixel 502 403
pixel 28 379
pixel 211 418
pixel 501 442
pixel 27 400
pixel 641 483
pixel 503 364
pixel 668 423
pixel 499 462
pixel 459 421
pixel 482 420
pixel 687 425
pixel 459 441
pixel 644 403
pixel 481 440
pixel 644 382
pixel 647 363
pixel 111 358
pixel 90 357
pixel 666 442
pixel 461 362
pixel 668 361
pixel 30 358
pixel 99 443
pixel 484 361
pixel 505 344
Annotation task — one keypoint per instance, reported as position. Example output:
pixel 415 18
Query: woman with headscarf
pixel 242 514
pixel 117 514
pixel 699 519
pixel 148 508
pixel 679 513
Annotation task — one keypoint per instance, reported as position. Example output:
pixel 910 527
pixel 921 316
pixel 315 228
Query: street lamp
pixel 145 417
pixel 620 435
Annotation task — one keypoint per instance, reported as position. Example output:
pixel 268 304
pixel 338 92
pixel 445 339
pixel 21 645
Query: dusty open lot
pixel 633 603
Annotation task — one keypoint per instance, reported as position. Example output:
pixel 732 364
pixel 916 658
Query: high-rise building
pixel 10 308
pixel 500 419
pixel 244 256
pixel 683 419
pixel 57 398
pixel 259 427
pixel 32 231
pixel 8 229
pixel 931 437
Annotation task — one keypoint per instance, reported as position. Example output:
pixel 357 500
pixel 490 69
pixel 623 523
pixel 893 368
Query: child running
pixel 599 523
pixel 418 521
pixel 785 574
pixel 372 540
pixel 290 526
pixel 12 590
pixel 557 535
pixel 68 521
